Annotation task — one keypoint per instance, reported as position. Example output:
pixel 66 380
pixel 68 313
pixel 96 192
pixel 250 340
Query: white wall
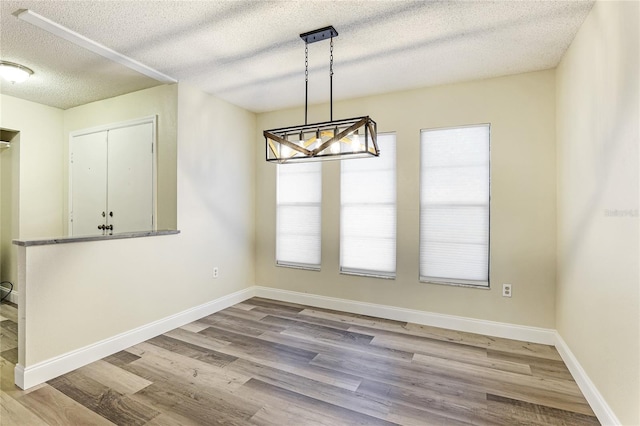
pixel 521 110
pixel 37 173
pixel 598 303
pixel 96 290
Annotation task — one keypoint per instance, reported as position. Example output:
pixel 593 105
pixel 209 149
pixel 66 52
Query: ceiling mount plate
pixel 319 34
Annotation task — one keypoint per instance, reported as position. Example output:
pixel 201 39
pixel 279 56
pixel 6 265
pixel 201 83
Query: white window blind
pixel 298 215
pixel 454 205
pixel 368 212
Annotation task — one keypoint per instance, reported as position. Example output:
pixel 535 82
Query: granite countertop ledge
pixel 64 240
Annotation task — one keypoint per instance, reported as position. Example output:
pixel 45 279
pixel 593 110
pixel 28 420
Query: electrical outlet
pixel 215 272
pixel 506 290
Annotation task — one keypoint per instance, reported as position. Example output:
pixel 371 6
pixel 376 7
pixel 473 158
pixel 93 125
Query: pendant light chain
pixel 331 80
pixel 306 80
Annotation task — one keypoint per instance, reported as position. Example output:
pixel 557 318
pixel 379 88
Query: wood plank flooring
pixel 263 362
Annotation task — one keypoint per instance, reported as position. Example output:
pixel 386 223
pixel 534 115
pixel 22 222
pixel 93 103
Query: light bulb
pixel 335 148
pixel 285 151
pixel 357 143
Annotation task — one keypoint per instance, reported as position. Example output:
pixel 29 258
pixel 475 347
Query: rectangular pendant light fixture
pixel 82 41
pixel 331 140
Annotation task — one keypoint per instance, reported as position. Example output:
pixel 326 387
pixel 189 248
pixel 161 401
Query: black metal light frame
pixel 347 132
pixel 334 140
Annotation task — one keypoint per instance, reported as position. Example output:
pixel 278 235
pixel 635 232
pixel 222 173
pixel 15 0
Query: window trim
pixel 454 283
pixel 482 285
pixel 366 273
pixel 293 265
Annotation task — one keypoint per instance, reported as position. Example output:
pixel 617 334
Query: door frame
pixel 153 119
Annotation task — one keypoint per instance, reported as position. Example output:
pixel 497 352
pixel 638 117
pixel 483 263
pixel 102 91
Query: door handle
pixel 103 227
pixel 110 227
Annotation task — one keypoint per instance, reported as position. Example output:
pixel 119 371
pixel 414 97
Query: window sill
pixel 298 266
pixel 368 274
pixel 456 284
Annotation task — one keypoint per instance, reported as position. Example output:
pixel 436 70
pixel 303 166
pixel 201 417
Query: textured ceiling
pixel 249 52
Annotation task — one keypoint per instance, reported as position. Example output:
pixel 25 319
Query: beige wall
pixel 36 177
pixel 9 215
pixel 521 110
pixel 598 304
pixel 41 152
pixel 161 101
pixel 142 280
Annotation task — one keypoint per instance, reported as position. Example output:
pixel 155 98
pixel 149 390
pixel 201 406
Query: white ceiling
pixel 249 52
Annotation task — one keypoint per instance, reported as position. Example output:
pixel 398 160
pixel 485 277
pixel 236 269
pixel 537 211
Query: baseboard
pixel 13 296
pixel 33 375
pixel 490 328
pixel 603 412
pixel 19 377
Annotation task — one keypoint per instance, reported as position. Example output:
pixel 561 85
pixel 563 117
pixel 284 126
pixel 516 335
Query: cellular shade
pixel 368 212
pixel 299 215
pixel 454 205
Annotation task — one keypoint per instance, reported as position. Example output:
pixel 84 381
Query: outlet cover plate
pixel 506 290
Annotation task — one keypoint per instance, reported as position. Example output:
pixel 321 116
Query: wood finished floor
pixel 263 362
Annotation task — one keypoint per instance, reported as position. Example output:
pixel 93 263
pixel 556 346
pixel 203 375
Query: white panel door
pixel 88 183
pixel 130 178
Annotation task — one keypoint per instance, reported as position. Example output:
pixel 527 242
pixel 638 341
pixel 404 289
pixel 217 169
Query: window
pixel 454 205
pixel 298 215
pixel 368 212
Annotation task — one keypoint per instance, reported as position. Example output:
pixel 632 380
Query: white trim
pixel 544 336
pixel 304 266
pixel 13 297
pixel 18 375
pixel 483 285
pixel 603 412
pixel 117 125
pixel 85 42
pixel 41 372
pixel 368 274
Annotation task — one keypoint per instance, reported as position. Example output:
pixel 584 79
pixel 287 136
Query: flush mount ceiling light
pixel 330 140
pixel 14 73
